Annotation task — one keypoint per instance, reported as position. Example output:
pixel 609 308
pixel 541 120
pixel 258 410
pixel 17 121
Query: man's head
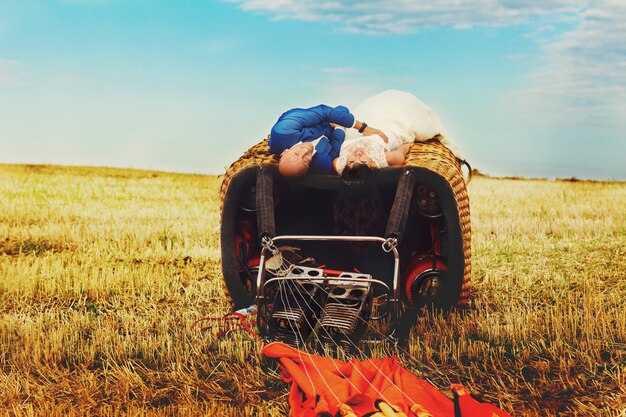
pixel 295 161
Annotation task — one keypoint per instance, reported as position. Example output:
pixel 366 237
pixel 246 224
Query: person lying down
pixel 403 119
pixel 324 139
pixel 310 138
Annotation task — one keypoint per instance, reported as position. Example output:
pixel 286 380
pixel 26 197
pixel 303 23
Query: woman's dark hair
pixel 357 210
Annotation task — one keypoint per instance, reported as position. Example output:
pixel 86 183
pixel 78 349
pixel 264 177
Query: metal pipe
pixel 396 263
pixel 331 238
pixel 259 277
pixel 333 278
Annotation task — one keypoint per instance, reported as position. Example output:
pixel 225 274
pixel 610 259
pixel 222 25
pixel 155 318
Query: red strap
pixel 335 272
pixel 223 321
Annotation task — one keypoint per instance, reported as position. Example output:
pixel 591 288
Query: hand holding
pixel 373 131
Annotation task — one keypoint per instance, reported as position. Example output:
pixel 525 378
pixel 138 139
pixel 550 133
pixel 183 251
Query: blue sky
pixel 535 89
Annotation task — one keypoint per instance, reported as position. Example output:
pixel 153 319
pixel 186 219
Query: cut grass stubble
pixel 103 271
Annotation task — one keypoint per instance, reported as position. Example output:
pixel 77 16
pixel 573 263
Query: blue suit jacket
pixel 306 125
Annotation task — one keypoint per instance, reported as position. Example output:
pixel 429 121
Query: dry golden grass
pixel 103 271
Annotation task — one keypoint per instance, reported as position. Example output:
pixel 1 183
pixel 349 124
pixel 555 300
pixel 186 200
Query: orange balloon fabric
pixel 466 406
pixel 322 386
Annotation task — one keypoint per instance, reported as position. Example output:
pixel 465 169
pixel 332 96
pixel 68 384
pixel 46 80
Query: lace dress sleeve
pixel 373 146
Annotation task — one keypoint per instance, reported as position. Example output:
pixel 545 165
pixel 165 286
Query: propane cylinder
pixel 426 203
pixel 423 278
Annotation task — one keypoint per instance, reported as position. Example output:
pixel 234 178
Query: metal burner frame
pixel 317 276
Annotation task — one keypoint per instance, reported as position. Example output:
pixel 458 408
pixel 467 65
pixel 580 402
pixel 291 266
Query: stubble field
pixel 103 271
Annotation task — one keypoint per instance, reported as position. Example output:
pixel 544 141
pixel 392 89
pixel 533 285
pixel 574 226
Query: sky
pixel 526 88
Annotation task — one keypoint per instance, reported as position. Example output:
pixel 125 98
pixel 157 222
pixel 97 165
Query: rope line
pixel 369 360
pixel 283 268
pixel 224 320
pixel 337 345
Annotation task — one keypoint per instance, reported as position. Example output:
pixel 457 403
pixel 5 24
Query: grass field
pixel 103 271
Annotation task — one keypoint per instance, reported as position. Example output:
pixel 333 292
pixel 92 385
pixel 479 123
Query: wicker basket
pixel 431 155
pixel 440 160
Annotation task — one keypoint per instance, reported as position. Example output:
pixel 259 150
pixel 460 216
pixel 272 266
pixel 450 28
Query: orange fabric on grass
pixel 469 407
pixel 323 386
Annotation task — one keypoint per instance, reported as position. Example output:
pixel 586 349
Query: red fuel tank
pixel 422 278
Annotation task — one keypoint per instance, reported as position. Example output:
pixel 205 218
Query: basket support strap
pixel 400 208
pixel 265 203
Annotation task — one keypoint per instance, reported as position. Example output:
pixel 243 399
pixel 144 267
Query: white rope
pixel 311 325
pixel 369 359
pixel 299 335
pixel 282 267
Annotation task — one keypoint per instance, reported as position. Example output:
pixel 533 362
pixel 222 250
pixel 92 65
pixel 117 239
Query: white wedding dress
pixel 402 117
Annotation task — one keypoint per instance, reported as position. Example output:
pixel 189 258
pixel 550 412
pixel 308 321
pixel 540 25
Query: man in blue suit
pixel 312 138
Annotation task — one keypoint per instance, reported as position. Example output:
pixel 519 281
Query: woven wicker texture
pixel 437 158
pixel 432 156
pixel 259 154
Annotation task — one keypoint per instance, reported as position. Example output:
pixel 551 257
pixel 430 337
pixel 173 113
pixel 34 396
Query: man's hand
pixel 373 131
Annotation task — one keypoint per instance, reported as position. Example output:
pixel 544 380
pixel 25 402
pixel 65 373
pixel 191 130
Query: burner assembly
pixel 294 311
pixel 280 236
pixel 346 313
pixel 331 309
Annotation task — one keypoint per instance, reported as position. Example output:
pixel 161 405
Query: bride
pixel 403 118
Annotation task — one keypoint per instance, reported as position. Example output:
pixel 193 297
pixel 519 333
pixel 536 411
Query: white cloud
pixel 339 70
pixel 71 79
pixel 582 79
pixel 402 16
pixel 217 46
pixel 12 73
pixel 83 2
pixel 582 75
pixel 15 74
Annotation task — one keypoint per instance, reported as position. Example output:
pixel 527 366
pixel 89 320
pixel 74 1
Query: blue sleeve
pixel 297 125
pixel 322 162
pixel 339 135
pixel 285 133
pixel 304 125
pixel 339 115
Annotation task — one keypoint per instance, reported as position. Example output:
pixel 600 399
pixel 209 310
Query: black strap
pixel 469 169
pixel 265 202
pixel 457 405
pixel 400 208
